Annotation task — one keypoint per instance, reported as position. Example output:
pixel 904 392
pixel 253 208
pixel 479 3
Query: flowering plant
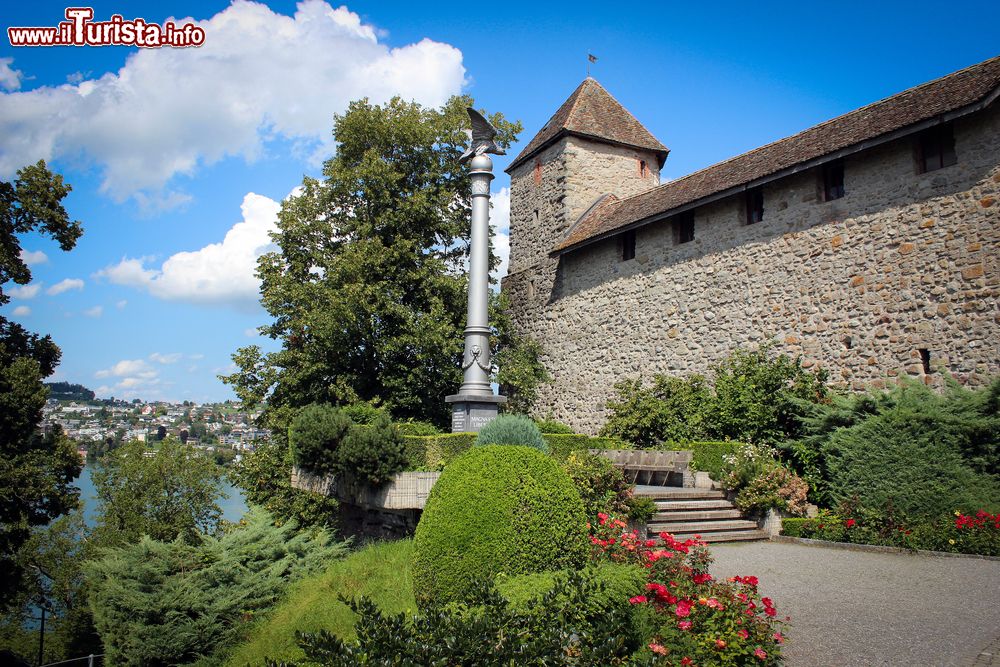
pixel 694 619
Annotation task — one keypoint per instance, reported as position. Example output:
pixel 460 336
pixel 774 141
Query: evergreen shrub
pixel 495 510
pixel 512 430
pixel 315 436
pixel 904 457
pixel 707 455
pixel 445 448
pixel 562 445
pixel 375 452
pixel 417 428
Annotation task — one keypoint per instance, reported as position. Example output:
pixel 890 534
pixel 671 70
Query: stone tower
pixel 591 149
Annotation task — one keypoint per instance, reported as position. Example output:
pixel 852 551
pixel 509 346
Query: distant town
pixel 100 425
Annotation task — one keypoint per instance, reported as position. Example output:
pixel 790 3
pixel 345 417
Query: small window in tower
pixel 755 206
pixel 935 149
pixel 833 180
pixel 685 227
pixel 925 360
pixel 538 171
pixel 628 245
pixel 535 217
pixel 643 169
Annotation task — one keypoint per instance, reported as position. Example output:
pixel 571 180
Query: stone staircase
pixel 686 512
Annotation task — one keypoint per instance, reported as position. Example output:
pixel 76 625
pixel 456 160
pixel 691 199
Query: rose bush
pixel 694 619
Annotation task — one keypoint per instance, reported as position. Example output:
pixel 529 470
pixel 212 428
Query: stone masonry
pixel 904 267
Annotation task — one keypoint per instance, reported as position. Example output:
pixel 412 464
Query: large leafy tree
pixel 367 287
pixel 36 471
pixel 171 494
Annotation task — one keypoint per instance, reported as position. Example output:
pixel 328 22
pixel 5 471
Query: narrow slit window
pixel 833 181
pixel 685 227
pixel 643 169
pixel 755 206
pixel 925 360
pixel 628 245
pixel 538 172
pixel 936 149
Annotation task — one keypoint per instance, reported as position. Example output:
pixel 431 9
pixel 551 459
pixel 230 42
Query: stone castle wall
pixel 903 262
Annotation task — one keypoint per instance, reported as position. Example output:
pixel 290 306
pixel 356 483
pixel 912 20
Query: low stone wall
pixel 390 511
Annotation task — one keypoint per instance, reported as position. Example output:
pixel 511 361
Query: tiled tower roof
pixel 911 110
pixel 591 112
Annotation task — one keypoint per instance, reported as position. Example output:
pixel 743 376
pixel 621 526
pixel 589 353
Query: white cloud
pixel 500 231
pixel 64 286
pixel 21 311
pixel 96 311
pixel 251 333
pixel 121 304
pixel 35 257
pixel 10 78
pixel 129 368
pixel 260 75
pixel 29 291
pixel 171 358
pixel 219 273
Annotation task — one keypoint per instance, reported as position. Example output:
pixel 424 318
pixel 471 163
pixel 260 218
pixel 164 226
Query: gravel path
pixel 860 608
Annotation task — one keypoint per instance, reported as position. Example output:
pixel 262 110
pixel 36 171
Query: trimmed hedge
pixel 707 455
pixel 506 509
pixel 561 445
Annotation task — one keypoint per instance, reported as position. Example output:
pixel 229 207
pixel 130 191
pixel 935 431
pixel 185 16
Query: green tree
pixel 36 472
pixel 367 288
pixel 167 494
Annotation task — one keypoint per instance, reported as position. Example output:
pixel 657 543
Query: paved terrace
pixel 862 608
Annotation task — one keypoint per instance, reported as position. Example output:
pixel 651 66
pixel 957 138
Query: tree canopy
pixel 367 287
pixel 36 471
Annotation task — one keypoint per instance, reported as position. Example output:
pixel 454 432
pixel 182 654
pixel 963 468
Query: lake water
pixel 233 507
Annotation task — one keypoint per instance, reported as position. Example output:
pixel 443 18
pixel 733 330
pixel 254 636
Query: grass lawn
pixel 380 571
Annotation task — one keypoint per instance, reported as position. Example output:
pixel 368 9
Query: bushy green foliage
pixel 265 477
pixel 907 457
pixel 315 437
pixel 172 494
pixel 601 484
pixel 606 589
pixel 548 426
pixel 375 452
pixel 364 413
pixel 325 441
pixel 505 509
pixel 754 396
pixel 512 430
pixel 170 603
pixel 670 409
pixel 560 628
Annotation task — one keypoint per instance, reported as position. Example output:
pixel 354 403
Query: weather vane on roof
pixel 591 58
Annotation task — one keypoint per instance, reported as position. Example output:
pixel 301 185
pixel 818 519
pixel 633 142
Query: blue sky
pixel 179 158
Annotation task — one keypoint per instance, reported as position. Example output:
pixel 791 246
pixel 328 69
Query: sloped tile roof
pixel 916 105
pixel 593 113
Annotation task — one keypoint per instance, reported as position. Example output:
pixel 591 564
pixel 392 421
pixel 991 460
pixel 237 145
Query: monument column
pixel 475 404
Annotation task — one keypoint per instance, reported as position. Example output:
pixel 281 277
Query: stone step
pixel 682 505
pixel 677 493
pixel 700 526
pixel 724 536
pixel 697 515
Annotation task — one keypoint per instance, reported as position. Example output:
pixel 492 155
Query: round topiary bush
pixel 315 436
pixel 509 510
pixel 512 430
